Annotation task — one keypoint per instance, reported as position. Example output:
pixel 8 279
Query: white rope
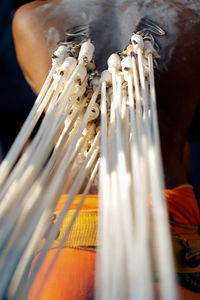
pixel 69 228
pixel 145 166
pixel 32 119
pixel 165 263
pixel 32 155
pixel 163 253
pixel 104 187
pixel 64 154
pixel 45 140
pixel 53 233
pixel 142 261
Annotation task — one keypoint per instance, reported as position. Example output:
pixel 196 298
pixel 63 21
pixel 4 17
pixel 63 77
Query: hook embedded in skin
pixel 75 33
pixel 83 31
pixel 146 24
pixel 150 31
pixel 77 27
pixel 150 37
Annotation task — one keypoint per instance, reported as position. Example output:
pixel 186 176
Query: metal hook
pixel 75 33
pixel 148 25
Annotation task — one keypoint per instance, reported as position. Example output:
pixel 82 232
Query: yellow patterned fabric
pixel 84 231
pixel 83 234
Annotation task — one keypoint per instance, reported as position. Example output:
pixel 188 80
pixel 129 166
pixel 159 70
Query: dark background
pixel 16 97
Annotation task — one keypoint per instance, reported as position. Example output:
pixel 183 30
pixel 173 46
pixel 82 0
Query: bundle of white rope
pixel 134 224
pixel 133 231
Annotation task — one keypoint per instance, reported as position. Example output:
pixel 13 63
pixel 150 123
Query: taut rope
pixel 109 121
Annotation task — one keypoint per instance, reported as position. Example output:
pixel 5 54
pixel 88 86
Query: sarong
pixel 73 275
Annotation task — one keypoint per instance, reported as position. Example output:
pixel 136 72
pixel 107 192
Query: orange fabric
pixel 84 231
pixel 72 277
pixel 185 294
pixel 183 207
pixel 91 202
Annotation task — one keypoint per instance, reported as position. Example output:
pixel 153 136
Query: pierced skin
pixel 37 27
pixel 40 24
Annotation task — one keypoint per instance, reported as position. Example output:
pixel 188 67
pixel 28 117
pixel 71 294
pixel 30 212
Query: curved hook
pixel 78 33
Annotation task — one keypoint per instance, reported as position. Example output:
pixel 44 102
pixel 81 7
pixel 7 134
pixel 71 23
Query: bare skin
pixel 39 25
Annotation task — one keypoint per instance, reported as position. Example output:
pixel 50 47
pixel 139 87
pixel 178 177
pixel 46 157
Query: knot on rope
pixel 59 55
pixel 137 42
pixel 114 62
pixel 149 49
pixel 65 154
pixel 94 112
